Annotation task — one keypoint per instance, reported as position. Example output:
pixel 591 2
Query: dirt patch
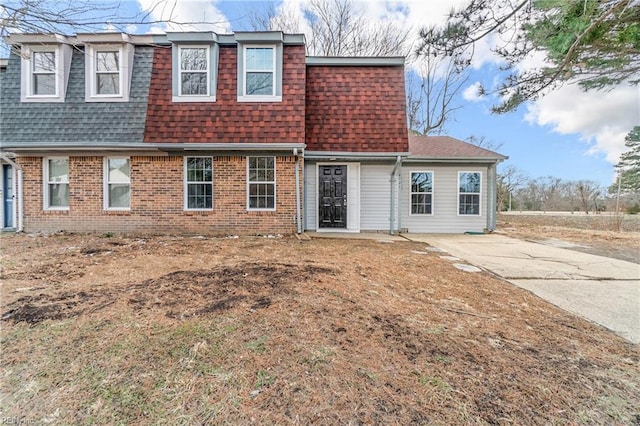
pixel 282 331
pixel 180 294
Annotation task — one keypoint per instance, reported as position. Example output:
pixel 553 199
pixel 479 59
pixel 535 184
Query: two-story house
pixel 222 134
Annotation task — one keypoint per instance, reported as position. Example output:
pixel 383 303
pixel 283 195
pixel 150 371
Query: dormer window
pixel 45 65
pixel 194 71
pixel 259 68
pixel 108 72
pixel 194 65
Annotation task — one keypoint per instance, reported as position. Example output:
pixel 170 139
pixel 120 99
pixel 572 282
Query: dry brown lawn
pixel 181 330
pixel 601 234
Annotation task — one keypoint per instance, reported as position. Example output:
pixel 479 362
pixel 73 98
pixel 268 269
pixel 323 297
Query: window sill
pixel 116 212
pixel 27 99
pixel 61 210
pixel 178 99
pixel 260 210
pixel 107 99
pixel 199 212
pixel 259 98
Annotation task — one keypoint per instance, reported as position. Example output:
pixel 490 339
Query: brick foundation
pixel 157 199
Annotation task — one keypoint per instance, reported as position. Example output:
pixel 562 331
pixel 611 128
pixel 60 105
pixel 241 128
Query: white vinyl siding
pixel 445 217
pixel 310 196
pixel 375 201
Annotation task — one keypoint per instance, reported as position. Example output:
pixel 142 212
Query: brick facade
pixel 356 109
pixel 227 120
pixel 157 199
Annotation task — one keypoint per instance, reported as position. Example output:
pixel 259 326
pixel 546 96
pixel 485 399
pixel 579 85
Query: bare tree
pixel 337 28
pixel 483 142
pixel 509 180
pixel 431 93
pixel 47 16
pixel 587 192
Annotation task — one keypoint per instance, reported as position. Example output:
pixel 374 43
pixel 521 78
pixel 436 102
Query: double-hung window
pixel 198 172
pixel 421 192
pixel 56 183
pixel 259 71
pixel 261 183
pixel 469 184
pixel 193 78
pixel 107 66
pixel 43 73
pixel 117 183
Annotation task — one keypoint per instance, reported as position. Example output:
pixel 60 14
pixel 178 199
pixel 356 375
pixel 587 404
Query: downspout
pixel 491 201
pixel 392 203
pixel 20 214
pixel 298 207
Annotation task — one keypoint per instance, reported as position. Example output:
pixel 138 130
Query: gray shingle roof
pixel 75 121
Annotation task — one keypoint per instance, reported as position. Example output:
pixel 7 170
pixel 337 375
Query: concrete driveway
pixel 603 290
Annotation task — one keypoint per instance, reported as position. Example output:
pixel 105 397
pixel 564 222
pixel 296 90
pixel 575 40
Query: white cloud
pixel 473 93
pixel 602 119
pixel 186 15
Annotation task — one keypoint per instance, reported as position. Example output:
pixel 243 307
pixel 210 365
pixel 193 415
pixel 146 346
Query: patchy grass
pixel 601 234
pixel 145 330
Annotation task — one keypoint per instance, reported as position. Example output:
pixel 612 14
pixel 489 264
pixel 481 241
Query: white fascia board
pixel 21 38
pixel 102 38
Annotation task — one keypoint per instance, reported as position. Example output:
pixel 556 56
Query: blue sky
pixel 568 134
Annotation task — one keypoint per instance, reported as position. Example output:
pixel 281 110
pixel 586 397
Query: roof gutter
pixel 167 147
pixel 393 181
pixel 422 159
pixel 363 156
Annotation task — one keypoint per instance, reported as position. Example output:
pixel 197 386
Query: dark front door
pixel 333 196
pixel 7 195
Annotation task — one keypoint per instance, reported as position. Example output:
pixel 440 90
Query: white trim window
pixel 469 191
pixel 259 71
pixel 107 72
pixel 198 183
pixel 193 71
pixel 56 183
pixel 421 193
pixel 45 69
pixel 117 183
pixel 261 183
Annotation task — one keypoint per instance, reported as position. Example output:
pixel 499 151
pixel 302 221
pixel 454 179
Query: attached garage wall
pixel 445 218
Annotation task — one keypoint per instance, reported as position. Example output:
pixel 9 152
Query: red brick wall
pixel 157 199
pixel 227 120
pixel 358 109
